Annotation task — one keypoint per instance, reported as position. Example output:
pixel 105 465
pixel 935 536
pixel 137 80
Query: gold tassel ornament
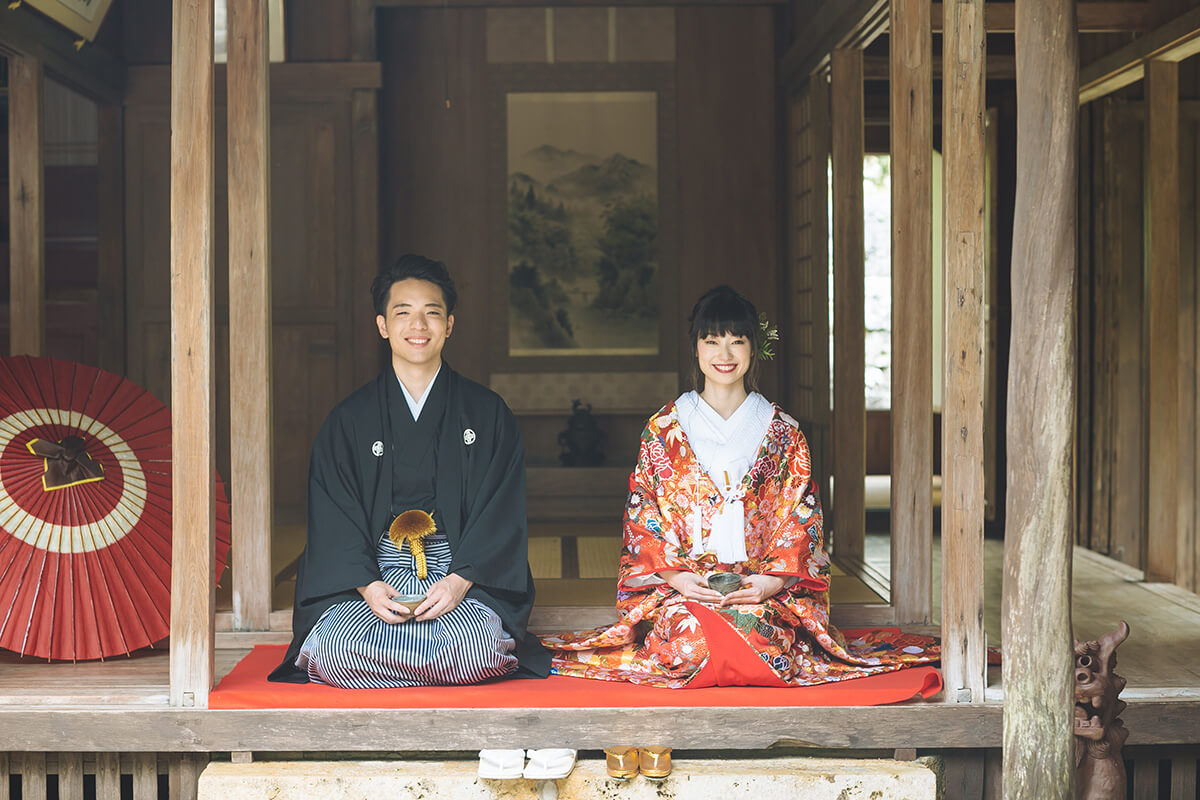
pixel 413 526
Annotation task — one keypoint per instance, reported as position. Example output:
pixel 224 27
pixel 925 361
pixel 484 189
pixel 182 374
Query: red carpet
pixel 246 686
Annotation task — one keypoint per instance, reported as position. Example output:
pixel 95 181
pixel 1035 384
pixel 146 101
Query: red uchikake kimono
pixel 663 640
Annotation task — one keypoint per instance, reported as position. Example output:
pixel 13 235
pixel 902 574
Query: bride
pixel 724 484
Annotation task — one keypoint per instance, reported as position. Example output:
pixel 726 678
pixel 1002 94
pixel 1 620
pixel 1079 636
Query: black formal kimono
pixel 479 505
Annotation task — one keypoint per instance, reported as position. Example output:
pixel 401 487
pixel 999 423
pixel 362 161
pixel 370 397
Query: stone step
pixel 692 779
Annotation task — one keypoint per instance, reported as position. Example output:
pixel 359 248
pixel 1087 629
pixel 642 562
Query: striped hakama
pixel 351 648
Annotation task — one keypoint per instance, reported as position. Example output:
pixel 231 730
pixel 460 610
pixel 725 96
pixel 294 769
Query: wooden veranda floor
pixel 39 701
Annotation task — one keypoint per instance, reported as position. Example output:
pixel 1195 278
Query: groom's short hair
pixel 413 266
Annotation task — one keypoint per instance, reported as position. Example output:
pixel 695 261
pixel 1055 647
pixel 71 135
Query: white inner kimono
pixel 725 449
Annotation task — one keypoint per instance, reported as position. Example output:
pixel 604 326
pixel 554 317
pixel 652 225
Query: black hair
pixel 719 311
pixel 413 266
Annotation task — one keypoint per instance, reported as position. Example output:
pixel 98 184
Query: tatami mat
pixel 545 557
pixel 570 570
pixel 598 556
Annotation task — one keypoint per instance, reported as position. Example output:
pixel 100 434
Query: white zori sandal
pixel 501 764
pixel 551 764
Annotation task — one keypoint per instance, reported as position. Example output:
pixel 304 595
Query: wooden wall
pixel 320 300
pixel 1112 465
pixel 432 173
pixel 72 230
pixel 435 161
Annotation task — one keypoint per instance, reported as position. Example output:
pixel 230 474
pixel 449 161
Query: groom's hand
pixel 443 597
pixel 378 595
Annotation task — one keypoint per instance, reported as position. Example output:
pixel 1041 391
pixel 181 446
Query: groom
pixel 421 436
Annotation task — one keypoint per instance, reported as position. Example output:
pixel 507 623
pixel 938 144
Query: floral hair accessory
pixel 767 333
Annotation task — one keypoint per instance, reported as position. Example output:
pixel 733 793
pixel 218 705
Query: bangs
pixel 723 315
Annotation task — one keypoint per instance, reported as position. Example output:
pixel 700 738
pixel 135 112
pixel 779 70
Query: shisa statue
pixel 1099 733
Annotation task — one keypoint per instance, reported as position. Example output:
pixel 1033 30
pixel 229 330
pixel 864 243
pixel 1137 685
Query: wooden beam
pixel 1038 654
pixel 26 203
pixel 184 731
pixel 251 478
pixel 1174 41
pixel 91 71
pixel 1162 248
pixel 314 82
pixel 964 158
pixel 912 311
pixel 1101 17
pixel 849 330
pixel 837 25
pixel 192 382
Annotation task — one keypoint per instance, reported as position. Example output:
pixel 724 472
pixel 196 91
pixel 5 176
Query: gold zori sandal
pixel 622 762
pixel 656 762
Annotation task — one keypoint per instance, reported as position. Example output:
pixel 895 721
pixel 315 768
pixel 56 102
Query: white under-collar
pixel 725 449
pixel 724 445
pixel 415 406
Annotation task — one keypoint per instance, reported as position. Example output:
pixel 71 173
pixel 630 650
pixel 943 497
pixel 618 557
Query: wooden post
pixel 33 776
pixel 26 203
pixel 250 312
pixel 912 310
pixel 849 331
pixel 110 179
pixel 1036 618
pixel 193 519
pixel 964 159
pixel 108 776
pixel 70 775
pixel 184 773
pixel 1162 248
pixel 145 776
pixel 368 355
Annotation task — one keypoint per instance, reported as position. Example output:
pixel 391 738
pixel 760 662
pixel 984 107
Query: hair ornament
pixel 767 333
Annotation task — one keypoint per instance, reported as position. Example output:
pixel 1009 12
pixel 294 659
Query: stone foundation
pixel 742 779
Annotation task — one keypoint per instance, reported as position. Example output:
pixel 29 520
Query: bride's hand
pixel 691 586
pixel 755 589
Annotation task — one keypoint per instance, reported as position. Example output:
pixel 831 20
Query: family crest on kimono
pixel 420 439
pixel 723 483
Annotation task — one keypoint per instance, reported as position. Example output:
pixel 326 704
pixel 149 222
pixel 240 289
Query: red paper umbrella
pixel 85 512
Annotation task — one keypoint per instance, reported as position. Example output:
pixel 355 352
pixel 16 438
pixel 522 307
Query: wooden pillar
pixel 110 179
pixel 250 312
pixel 368 355
pixel 1162 248
pixel 362 30
pixel 912 310
pixel 964 159
pixel 193 517
pixel 849 330
pixel 26 203
pixel 1036 618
